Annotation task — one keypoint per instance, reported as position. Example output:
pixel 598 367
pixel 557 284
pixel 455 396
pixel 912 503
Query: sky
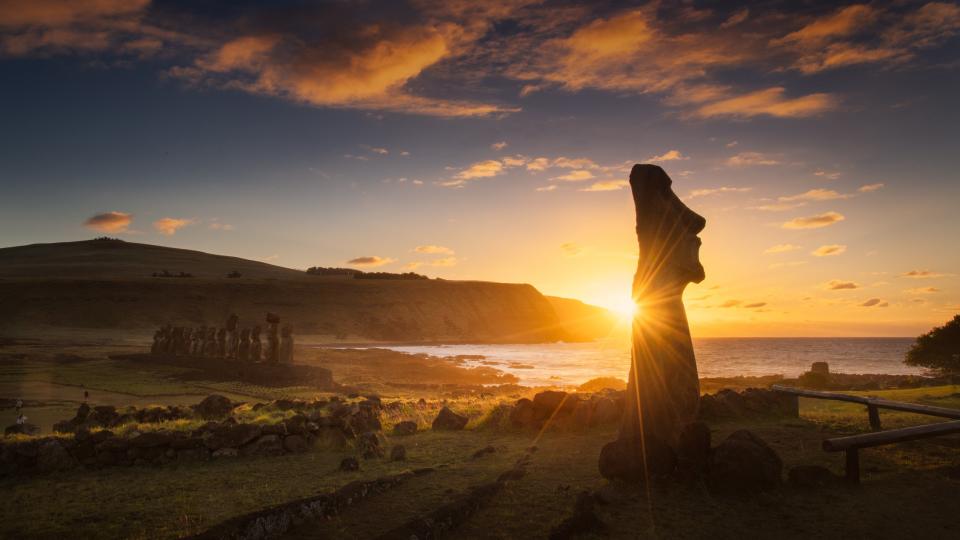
pixel 492 140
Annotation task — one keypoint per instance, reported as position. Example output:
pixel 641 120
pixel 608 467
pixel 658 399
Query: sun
pixel 626 308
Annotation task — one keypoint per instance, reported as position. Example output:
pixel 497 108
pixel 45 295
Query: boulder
pixel 266 445
pixel 366 418
pixel 398 453
pixel 151 439
pixel 623 459
pixel 449 421
pixel 744 464
pixel 810 476
pixel 213 407
pixel 368 445
pixel 407 427
pixel 295 443
pixel 693 450
pixel 296 425
pixel 52 456
pixel 582 413
pixel 25 428
pixel 231 436
pixel 606 411
pixel 349 464
pixel 523 415
pixel 553 402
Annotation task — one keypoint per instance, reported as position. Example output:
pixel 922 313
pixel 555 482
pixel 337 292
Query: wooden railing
pixel 852 444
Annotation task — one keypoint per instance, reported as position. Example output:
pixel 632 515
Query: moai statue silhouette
pixel 243 346
pixel 286 344
pixel 273 340
pixel 233 337
pixel 221 351
pixel 663 390
pixel 255 346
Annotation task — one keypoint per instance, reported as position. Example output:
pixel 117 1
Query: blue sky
pixel 500 133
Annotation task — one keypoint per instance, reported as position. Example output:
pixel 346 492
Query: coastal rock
pixel 449 420
pixel 52 456
pixel 213 407
pixel 553 403
pixel 744 464
pixel 407 427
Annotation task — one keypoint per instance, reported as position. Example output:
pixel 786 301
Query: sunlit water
pixel 575 363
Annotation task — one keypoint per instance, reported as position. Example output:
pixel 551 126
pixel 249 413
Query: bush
pixel 938 349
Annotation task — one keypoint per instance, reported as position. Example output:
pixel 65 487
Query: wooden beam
pixel 879 403
pixel 866 440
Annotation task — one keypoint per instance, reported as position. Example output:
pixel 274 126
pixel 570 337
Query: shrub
pixel 938 349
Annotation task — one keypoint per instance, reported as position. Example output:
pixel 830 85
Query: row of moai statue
pixel 227 342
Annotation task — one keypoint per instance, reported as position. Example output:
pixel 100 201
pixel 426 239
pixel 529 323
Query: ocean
pixel 575 363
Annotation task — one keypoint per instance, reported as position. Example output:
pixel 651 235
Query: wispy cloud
pixel 109 222
pixel 607 185
pixel 713 191
pixel 922 290
pixel 769 102
pixel 431 249
pixel 870 187
pixel 875 302
pixel 169 226
pixel 923 274
pixel 815 195
pixel 479 170
pixel 498 145
pixel 370 260
pixel 571 249
pixel 839 285
pixel 782 248
pixel 669 155
pixel 814 222
pixel 829 250
pixel 747 159
pixel 574 176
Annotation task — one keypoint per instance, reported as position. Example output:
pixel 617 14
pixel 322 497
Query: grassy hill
pixel 107 284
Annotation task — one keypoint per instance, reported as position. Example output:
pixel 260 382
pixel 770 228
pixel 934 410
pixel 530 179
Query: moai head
pixel 232 321
pixel 666 231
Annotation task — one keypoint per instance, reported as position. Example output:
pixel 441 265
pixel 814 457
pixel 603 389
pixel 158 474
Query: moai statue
pixel 210 343
pixel 273 340
pixel 233 337
pixel 157 338
pixel 196 341
pixel 286 344
pixel 177 342
pixel 255 345
pixel 663 391
pixel 222 343
pixel 166 339
pixel 243 347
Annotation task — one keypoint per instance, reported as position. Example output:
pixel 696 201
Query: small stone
pixel 349 464
pixel 398 453
pixel 407 427
pixel 449 420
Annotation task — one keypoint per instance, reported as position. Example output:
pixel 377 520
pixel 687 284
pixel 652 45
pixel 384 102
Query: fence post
pixel 874 413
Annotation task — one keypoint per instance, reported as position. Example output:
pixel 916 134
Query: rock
pixel 583 521
pixel 744 464
pixel 151 439
pixel 295 443
pixel 582 413
pixel 407 427
pixel 331 438
pixel 274 429
pixel 266 445
pixel 296 424
pixel 523 415
pixel 213 407
pixel 820 368
pixel 606 411
pixel 349 464
pixel 21 429
pixel 398 453
pixel 484 451
pixel 232 436
pixel 368 444
pixel 366 418
pixel 224 453
pixel 103 415
pixel 693 450
pixel 811 477
pixel 449 420
pixel 52 456
pixel 546 403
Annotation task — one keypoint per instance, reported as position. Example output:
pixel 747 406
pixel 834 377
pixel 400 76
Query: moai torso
pixel 233 337
pixel 255 345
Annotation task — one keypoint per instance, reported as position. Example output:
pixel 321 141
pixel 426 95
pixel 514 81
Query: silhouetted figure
pixel 663 391
pixel 273 340
pixel 243 347
pixel 286 344
pixel 255 345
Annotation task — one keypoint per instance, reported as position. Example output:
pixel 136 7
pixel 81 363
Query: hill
pixel 108 284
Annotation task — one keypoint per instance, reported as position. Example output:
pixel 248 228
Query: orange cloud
pixel 607 185
pixel 745 159
pixel 169 226
pixel 815 195
pixel 574 176
pixel 828 250
pixel 370 260
pixel 814 222
pixel 838 285
pixel 110 222
pixel 432 250
pixel 769 102
pixel 781 248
